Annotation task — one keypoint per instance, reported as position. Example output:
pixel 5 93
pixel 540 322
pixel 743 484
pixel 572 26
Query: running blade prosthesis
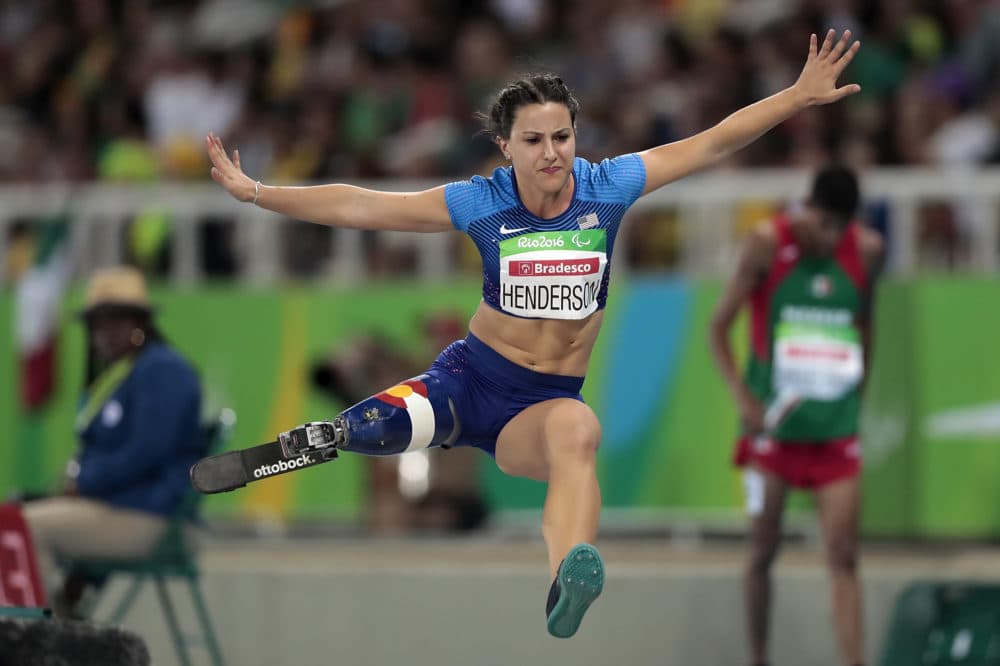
pixel 309 444
pixel 235 469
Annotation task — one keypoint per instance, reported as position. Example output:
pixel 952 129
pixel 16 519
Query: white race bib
pixel 817 360
pixel 552 275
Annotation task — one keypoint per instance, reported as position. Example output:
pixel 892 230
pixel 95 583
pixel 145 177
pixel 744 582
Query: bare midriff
pixel 552 346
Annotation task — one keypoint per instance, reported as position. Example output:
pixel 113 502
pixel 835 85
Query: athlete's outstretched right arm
pixel 335 205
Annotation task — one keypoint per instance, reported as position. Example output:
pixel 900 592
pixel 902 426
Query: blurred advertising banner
pixel 931 426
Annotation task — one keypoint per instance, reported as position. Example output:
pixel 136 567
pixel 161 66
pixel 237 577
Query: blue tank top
pixel 557 268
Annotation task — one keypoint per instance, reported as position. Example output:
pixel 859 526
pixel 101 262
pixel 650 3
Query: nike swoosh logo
pixel 505 230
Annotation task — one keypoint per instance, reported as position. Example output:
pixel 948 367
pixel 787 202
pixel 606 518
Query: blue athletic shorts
pixel 488 390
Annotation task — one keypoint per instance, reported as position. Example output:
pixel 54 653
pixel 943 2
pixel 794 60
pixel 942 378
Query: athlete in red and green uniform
pixel 806 277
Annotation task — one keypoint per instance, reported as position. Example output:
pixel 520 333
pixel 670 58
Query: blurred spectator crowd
pixel 127 89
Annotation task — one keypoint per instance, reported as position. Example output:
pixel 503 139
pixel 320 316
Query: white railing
pixel 704 206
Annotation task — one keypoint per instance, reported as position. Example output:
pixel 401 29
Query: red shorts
pixel 801 464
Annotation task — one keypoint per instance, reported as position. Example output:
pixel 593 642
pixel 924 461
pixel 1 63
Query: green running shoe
pixel 579 581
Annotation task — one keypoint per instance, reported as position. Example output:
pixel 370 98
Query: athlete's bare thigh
pixel 526 443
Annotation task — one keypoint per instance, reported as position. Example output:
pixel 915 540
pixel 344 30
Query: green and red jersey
pixel 807 362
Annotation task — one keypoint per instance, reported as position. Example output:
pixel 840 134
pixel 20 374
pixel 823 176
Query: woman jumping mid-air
pixel 545 226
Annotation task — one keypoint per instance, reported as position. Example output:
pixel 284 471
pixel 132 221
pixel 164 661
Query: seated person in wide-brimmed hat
pixel 138 427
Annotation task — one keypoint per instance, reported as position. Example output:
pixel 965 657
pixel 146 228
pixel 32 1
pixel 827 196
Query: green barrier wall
pixel 931 425
pixel 932 419
pixel 887 417
pixel 957 409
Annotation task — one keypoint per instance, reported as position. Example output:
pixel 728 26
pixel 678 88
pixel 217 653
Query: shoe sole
pixel 581 579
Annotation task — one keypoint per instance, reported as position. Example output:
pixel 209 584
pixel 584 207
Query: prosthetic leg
pixel 415 414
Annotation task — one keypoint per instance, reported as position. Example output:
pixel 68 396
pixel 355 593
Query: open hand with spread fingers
pixel 818 80
pixel 227 172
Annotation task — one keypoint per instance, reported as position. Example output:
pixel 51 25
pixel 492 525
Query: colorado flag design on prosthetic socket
pixel 411 395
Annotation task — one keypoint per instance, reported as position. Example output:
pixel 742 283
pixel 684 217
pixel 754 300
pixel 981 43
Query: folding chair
pixel 171 557
pixel 935 623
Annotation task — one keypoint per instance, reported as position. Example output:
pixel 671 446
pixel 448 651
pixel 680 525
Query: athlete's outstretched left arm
pixel 816 85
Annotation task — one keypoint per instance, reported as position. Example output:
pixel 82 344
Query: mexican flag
pixel 37 302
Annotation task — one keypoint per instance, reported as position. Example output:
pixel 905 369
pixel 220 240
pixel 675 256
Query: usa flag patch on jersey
pixel 588 221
